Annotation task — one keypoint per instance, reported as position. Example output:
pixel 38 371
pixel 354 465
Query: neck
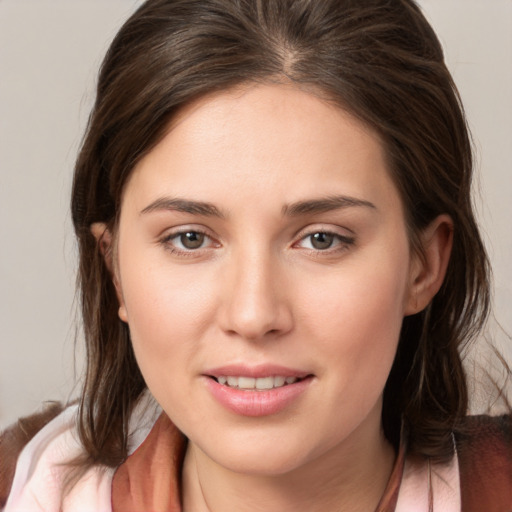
pixel 351 476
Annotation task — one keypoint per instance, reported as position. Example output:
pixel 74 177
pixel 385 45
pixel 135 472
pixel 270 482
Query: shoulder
pixel 484 449
pixel 42 469
pixel 43 466
pixel 15 438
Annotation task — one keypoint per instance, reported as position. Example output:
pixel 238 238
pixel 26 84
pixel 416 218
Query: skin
pixel 259 290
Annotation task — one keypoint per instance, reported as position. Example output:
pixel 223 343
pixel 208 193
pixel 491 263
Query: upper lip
pixel 256 371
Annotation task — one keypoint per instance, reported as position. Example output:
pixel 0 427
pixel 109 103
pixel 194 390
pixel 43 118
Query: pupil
pixel 192 240
pixel 322 240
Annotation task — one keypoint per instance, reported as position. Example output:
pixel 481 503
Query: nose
pixel 255 303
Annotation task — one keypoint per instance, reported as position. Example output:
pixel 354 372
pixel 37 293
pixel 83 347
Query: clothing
pixel 478 478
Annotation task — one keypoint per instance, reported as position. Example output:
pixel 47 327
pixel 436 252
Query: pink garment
pixel 40 471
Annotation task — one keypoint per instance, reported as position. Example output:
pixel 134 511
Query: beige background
pixel 49 54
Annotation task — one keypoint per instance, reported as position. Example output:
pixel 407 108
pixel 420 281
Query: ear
pixel 427 272
pixel 103 238
pixel 104 241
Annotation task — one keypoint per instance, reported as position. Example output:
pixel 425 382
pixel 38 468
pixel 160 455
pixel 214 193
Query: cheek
pixel 357 321
pixel 168 311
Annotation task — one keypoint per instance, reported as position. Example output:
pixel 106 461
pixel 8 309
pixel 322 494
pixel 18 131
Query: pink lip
pixel 264 370
pixel 257 403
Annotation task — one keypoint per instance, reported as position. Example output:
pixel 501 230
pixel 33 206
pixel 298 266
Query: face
pixel 264 270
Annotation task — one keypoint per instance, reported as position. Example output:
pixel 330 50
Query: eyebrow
pixel 323 205
pixel 310 206
pixel 185 206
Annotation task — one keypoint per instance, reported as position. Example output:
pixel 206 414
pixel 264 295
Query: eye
pixel 191 239
pixel 324 240
pixel 321 241
pixel 187 241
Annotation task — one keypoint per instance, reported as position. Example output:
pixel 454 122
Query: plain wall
pixel 49 55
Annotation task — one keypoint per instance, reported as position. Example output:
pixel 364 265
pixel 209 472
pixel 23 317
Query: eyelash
pixel 167 242
pixel 341 242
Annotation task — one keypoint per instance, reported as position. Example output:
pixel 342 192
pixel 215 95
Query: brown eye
pixel 325 241
pixel 192 240
pixel 321 241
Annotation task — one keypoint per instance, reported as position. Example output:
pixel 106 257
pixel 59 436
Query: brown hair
pixel 378 59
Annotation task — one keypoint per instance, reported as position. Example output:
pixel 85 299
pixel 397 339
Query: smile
pixel 255 384
pixel 259 391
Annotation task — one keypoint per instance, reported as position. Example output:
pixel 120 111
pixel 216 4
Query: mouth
pixel 257 391
pixel 255 383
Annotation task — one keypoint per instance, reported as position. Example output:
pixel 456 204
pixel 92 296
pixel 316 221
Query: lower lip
pixel 257 403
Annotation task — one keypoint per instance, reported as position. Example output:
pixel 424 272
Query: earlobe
pixel 123 316
pixel 428 272
pixel 104 240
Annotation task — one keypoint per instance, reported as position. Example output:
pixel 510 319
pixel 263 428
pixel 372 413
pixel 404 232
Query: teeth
pixel 260 384
pixel 264 383
pixel 279 381
pixel 246 382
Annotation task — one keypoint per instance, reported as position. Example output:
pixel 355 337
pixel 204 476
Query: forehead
pixel 290 110
pixel 263 139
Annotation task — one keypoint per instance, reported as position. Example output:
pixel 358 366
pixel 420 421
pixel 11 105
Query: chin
pixel 271 458
pixel 262 465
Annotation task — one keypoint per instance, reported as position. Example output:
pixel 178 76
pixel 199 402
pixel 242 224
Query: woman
pixel 277 245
